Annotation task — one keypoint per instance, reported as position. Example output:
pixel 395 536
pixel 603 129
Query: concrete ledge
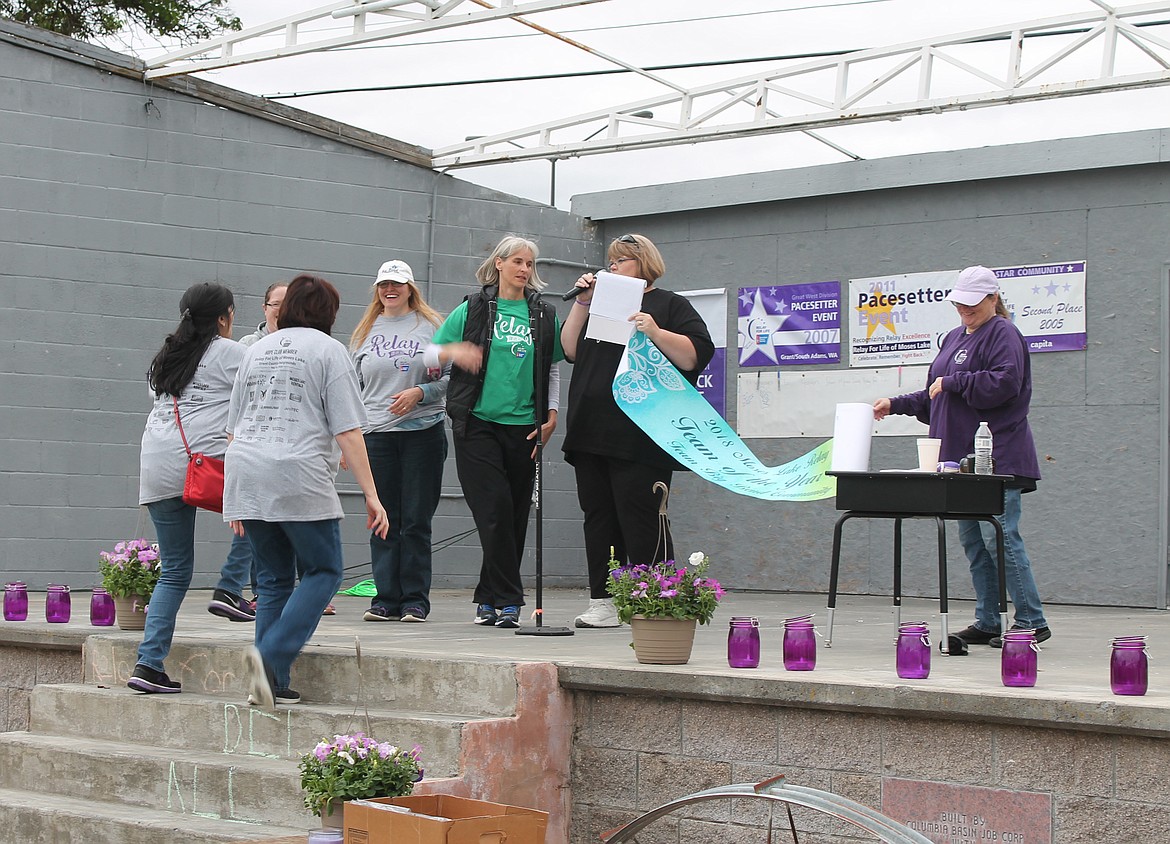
pixel 1133 716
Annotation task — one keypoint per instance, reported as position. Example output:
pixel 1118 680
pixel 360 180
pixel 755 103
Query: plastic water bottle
pixel 983 450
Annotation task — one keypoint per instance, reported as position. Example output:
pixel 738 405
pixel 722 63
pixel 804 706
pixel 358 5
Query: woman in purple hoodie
pixel 983 374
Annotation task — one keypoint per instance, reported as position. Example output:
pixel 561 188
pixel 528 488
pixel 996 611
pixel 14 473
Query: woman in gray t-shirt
pixel 296 394
pixel 405 437
pixel 192 376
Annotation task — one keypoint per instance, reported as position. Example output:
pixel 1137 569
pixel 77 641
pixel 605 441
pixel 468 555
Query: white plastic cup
pixel 928 453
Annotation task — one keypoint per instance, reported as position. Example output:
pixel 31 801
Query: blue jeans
pixel 978 540
pixel 174 525
pixel 408 473
pixel 237 568
pixel 286 616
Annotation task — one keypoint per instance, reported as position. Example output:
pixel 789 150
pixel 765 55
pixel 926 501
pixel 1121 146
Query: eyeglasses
pixel 628 238
pixel 272 304
pixel 391 281
pixel 620 261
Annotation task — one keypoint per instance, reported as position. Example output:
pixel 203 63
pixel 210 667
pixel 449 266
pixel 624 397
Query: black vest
pixel 465 388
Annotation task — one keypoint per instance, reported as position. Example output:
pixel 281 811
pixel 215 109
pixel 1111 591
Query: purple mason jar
pixel 101 608
pixel 15 601
pixel 743 642
pixel 1129 666
pixel 800 644
pixel 1017 664
pixel 912 654
pixel 57 604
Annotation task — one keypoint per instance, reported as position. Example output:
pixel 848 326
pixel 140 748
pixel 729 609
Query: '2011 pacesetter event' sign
pixel 901 319
pixel 790 324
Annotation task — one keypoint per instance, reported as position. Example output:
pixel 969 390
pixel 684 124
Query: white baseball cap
pixel 974 285
pixel 395 271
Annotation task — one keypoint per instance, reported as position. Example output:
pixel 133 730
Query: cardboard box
pixel 441 819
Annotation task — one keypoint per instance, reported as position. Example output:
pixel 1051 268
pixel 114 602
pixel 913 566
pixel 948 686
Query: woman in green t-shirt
pixel 488 340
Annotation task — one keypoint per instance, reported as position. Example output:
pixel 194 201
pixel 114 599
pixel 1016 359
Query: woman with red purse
pixel 192 377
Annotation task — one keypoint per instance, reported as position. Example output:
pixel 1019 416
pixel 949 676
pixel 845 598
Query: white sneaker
pixel 601 613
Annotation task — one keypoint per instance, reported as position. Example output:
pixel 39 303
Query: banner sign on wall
pixel 1047 304
pixel 901 319
pixel 712 381
pixel 659 400
pixel 790 324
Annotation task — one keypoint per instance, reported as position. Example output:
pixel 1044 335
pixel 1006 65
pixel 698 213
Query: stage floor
pixel 856 673
pixel 851 726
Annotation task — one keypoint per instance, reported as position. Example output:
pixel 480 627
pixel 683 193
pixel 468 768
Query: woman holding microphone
pixel 983 374
pixel 617 465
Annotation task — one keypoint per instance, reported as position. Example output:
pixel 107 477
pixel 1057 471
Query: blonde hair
pixel 650 264
pixel 374 310
pixel 487 274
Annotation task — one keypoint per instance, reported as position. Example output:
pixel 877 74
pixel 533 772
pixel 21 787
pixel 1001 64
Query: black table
pixel 919 495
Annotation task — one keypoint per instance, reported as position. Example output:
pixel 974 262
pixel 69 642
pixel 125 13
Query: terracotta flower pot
pixel 131 612
pixel 333 816
pixel 663 641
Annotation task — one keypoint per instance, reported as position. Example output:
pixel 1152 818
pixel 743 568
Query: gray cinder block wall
pixel 115 196
pixel 1095 529
pixel 634 753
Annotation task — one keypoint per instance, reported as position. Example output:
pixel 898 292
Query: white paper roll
pixel 852 430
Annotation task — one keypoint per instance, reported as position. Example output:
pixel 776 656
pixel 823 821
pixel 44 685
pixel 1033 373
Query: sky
pixel 658 32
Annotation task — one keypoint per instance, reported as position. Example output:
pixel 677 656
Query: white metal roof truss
pixel 985 67
pixel 375 20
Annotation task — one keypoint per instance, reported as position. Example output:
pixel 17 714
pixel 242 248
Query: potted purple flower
pixel 130 573
pixel 662 602
pixel 354 767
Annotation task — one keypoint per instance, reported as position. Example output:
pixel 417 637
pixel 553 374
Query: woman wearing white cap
pixel 983 374
pixel 405 437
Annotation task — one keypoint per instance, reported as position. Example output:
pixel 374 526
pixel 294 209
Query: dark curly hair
pixel 199 311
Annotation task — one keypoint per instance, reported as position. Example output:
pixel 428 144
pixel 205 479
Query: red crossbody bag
pixel 204 484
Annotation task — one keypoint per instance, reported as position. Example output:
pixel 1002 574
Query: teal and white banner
pixel 662 403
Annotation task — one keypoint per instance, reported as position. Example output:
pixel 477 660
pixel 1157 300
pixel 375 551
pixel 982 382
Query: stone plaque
pixel 968 814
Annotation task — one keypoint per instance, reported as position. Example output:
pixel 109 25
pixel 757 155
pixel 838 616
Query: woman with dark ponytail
pixel 196 368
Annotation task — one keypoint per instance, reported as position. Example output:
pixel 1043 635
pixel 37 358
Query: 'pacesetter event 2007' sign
pixel 790 324
pixel 901 319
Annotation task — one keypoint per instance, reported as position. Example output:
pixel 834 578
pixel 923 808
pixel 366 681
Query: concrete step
pixel 253 790
pixel 32 818
pixel 230 729
pixel 328 675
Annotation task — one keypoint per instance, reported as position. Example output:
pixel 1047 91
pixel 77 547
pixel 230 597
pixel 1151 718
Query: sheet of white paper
pixel 616 298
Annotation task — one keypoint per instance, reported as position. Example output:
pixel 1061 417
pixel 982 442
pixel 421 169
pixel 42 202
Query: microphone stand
pixel 538 486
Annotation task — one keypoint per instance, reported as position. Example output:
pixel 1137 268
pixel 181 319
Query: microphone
pixel 574 292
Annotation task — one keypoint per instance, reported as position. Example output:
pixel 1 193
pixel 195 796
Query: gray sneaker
pixel 601 613
pixel 261 689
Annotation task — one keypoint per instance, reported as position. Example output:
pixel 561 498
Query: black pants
pixel 497 472
pixel 621 510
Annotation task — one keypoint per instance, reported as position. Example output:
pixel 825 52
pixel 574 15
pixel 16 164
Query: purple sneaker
pixel 151 682
pixel 230 606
